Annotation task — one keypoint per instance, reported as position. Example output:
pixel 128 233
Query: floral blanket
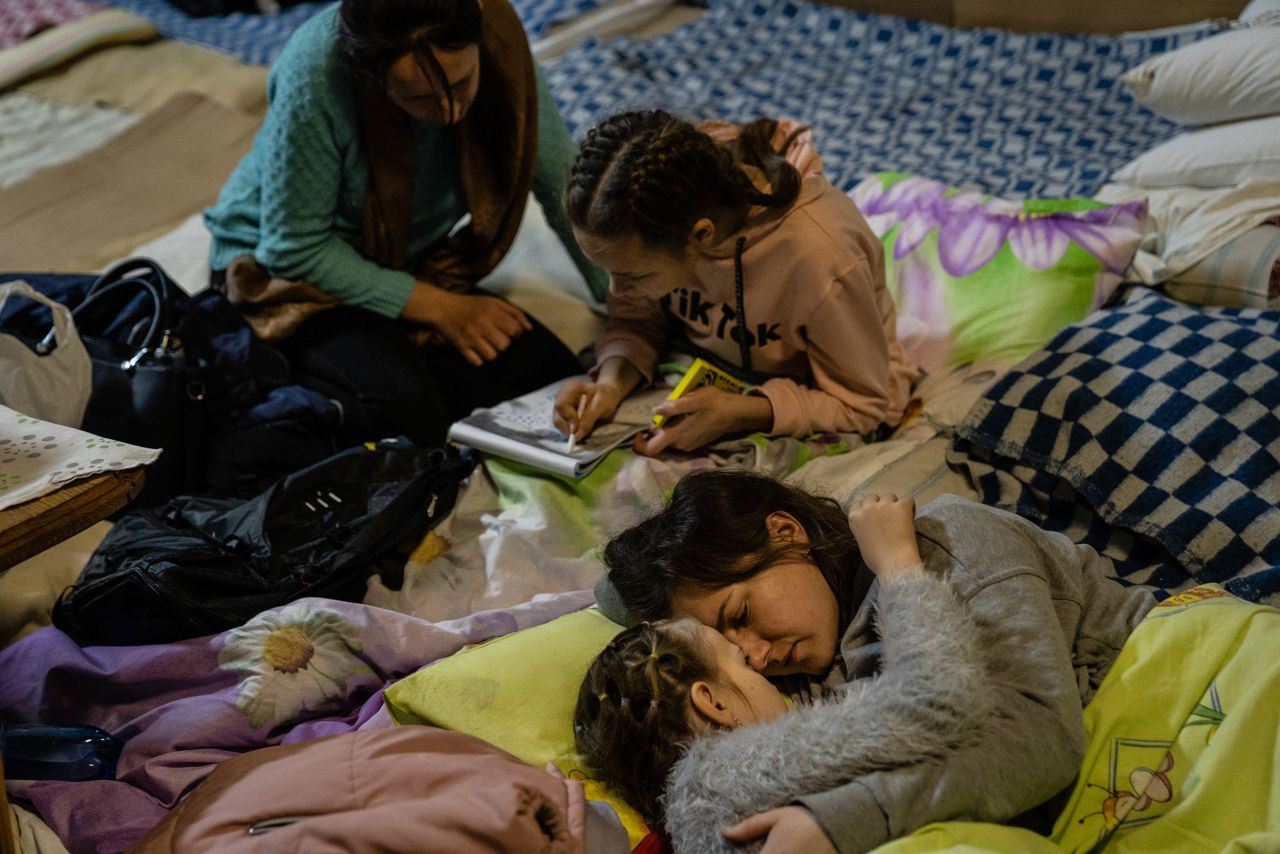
pixel 315 667
pixel 1182 751
pixel 515 532
pixel 318 667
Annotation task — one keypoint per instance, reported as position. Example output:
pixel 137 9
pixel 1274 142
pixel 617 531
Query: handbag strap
pixel 140 269
pixel 157 332
pixel 133 268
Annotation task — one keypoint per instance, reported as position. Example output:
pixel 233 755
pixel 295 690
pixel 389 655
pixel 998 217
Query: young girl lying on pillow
pixel 660 685
pixel 952 691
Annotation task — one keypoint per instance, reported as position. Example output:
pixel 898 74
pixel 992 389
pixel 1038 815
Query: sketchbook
pixel 521 430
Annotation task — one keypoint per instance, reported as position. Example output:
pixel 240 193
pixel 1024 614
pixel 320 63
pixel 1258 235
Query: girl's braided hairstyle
pixel 653 175
pixel 633 718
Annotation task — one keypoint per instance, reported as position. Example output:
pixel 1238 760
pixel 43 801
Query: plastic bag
pixel 54 385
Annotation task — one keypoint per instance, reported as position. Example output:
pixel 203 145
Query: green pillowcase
pixel 517 692
pixel 977 278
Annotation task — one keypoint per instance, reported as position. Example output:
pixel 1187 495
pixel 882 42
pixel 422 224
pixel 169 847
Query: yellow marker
pixel 702 373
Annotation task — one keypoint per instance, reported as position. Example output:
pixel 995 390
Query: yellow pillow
pixel 517 692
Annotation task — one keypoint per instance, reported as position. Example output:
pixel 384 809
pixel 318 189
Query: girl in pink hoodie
pixel 732 240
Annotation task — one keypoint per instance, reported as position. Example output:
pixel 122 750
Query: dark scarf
pixel 497 141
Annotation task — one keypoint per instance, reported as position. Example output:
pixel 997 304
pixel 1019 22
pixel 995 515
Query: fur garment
pixel 931 697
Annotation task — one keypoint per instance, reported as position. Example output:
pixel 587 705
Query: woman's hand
pixel 884 527
pixel 477 326
pixel 598 401
pixel 701 417
pixel 790 830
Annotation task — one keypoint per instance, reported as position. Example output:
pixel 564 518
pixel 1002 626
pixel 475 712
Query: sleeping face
pixel 784 619
pixel 745 696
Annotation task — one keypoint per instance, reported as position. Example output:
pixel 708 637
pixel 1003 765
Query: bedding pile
pixel 1005 113
pixel 313 668
pixel 1150 432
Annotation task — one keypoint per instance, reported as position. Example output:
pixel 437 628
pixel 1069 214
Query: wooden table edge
pixel 29 528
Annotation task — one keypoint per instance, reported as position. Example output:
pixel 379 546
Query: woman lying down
pixel 952 688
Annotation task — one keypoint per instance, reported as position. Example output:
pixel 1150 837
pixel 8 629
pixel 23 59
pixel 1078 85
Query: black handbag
pixel 185 374
pixel 146 390
pixel 199 566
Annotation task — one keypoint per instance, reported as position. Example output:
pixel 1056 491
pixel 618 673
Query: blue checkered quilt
pixel 1005 113
pixel 258 39
pixel 1150 431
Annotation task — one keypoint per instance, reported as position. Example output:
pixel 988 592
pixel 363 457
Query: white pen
pixel 573 426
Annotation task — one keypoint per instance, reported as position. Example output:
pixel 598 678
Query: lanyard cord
pixel 743 350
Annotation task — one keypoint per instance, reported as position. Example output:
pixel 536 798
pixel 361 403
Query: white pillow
pixel 1258 8
pixel 1234 75
pixel 1220 156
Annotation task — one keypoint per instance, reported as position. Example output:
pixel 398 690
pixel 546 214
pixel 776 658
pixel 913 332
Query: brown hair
pixel 373 34
pixel 633 718
pixel 653 175
pixel 712 533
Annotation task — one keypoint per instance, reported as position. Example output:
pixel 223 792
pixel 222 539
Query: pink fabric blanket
pixel 21 19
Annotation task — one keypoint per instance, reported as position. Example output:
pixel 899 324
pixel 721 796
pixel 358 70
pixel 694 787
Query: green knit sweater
pixel 296 200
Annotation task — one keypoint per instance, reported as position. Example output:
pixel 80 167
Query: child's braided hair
pixel 633 718
pixel 653 175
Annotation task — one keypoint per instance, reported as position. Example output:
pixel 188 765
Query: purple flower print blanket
pixel 312 668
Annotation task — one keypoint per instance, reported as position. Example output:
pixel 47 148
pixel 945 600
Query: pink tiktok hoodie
pixel 818 315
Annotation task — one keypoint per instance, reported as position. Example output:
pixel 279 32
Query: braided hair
pixel 634 717
pixel 653 175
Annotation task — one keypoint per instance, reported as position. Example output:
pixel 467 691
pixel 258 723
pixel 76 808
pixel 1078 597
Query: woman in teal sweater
pixel 390 175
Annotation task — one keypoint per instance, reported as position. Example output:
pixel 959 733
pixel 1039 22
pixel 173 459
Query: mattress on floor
pixel 1019 115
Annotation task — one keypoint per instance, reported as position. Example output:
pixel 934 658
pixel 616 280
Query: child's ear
pixel 785 528
pixel 709 704
pixel 703 233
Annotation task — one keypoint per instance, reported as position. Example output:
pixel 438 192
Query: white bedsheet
pixel 36 133
pixel 1187 224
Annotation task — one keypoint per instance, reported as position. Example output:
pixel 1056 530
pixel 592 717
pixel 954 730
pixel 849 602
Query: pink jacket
pixel 411 788
pixel 816 305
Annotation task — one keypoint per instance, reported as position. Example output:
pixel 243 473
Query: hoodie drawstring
pixel 743 350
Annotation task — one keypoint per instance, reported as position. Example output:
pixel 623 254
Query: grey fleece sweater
pixel 1050 624
pixel 930 699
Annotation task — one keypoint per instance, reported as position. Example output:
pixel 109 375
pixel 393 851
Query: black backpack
pixel 198 566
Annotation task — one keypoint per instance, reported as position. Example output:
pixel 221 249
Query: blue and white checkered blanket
pixel 1005 113
pixel 1150 431
pixel 258 39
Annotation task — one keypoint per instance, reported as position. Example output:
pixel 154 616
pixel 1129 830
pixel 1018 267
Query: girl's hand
pixel 705 414
pixel 599 401
pixel 477 326
pixel 789 830
pixel 884 527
